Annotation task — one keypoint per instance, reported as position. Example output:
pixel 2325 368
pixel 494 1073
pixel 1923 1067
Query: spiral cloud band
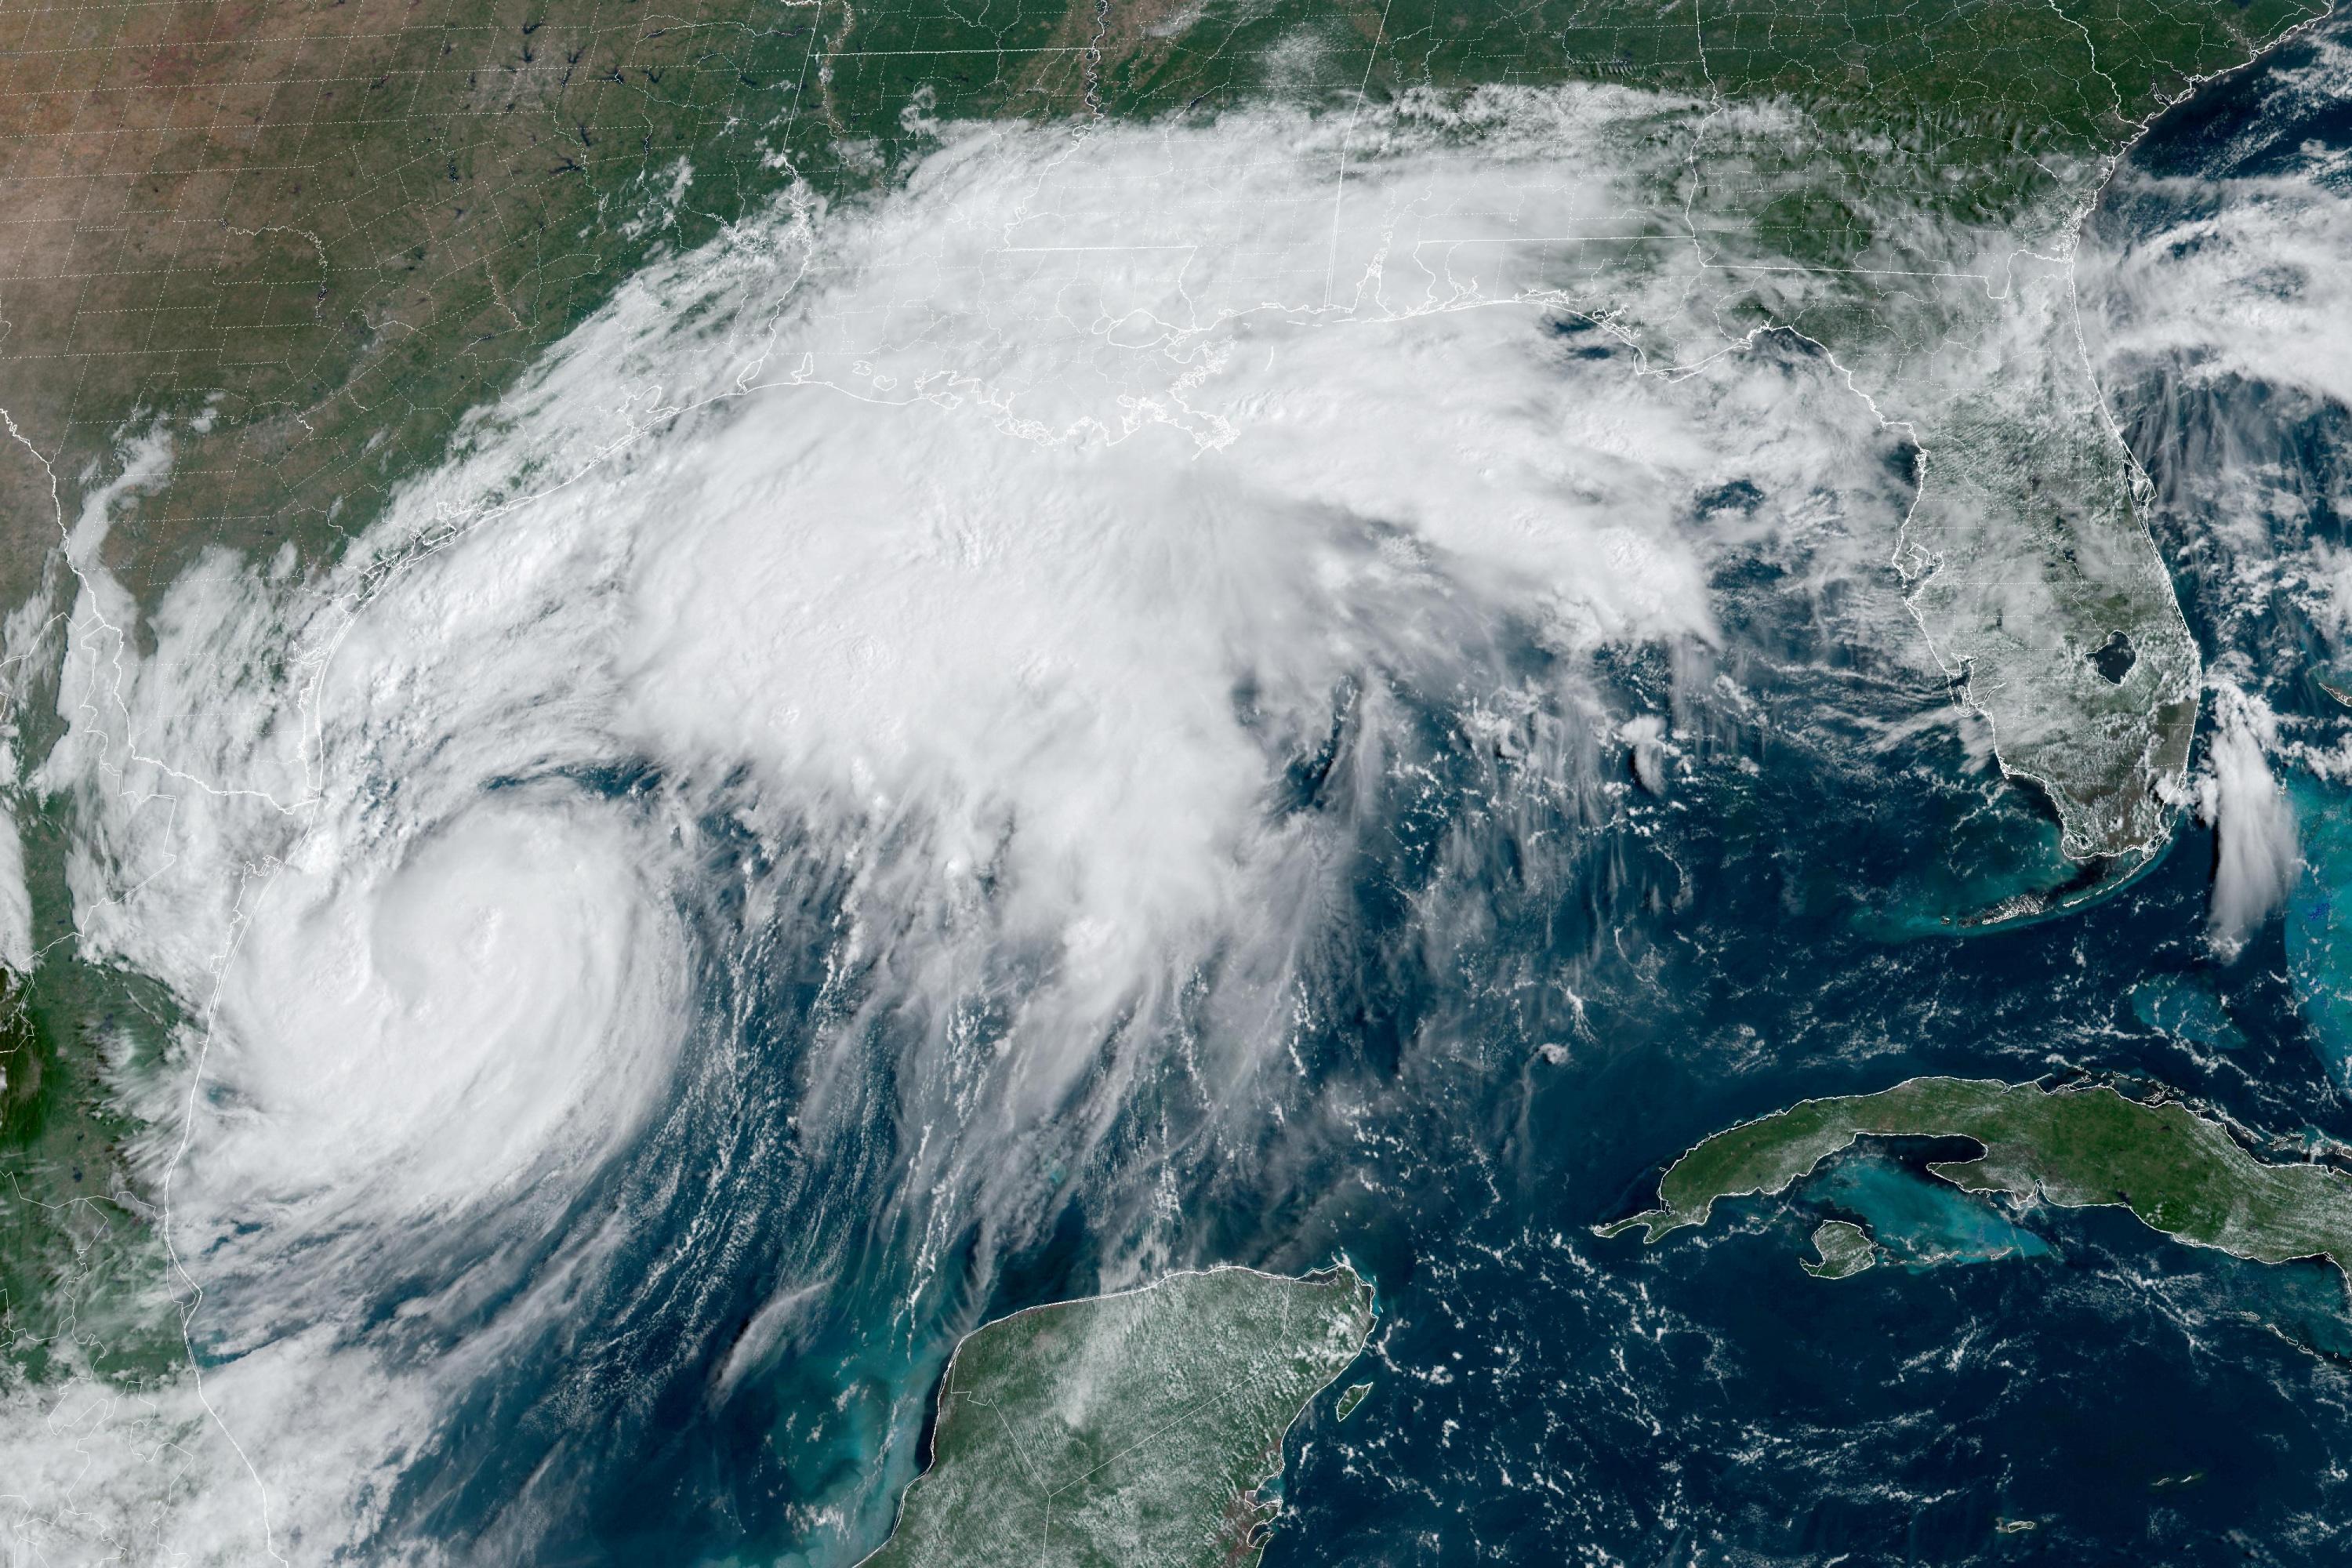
pixel 874 662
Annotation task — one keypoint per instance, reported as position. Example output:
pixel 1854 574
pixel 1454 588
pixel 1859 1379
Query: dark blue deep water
pixel 1519 1007
pixel 1541 1396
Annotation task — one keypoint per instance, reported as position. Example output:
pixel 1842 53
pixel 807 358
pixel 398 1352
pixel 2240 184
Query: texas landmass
pixel 304 244
pixel 2078 1146
pixel 381 221
pixel 1125 1430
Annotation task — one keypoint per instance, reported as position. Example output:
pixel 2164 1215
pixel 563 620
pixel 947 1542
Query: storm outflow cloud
pixel 2245 277
pixel 2258 856
pixel 968 566
pixel 2217 301
pixel 2219 312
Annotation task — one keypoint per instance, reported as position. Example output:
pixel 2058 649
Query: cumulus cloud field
pixel 949 580
pixel 2218 308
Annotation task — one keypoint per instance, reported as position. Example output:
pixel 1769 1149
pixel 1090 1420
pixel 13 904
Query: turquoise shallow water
pixel 1920 1221
pixel 1512 1015
pixel 2188 1008
pixel 2319 924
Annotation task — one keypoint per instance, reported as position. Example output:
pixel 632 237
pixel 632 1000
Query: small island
pixel 1125 1430
pixel 1845 1250
pixel 2080 1147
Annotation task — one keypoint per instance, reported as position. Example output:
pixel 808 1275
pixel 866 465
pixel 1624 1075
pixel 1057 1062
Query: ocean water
pixel 1516 974
pixel 1516 1012
pixel 2187 1007
pixel 1920 1221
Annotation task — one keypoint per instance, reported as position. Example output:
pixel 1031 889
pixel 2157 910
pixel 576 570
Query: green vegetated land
pixel 1128 1429
pixel 81 1282
pixel 2080 1147
pixel 1845 1250
pixel 305 238
pixel 308 235
pixel 82 1285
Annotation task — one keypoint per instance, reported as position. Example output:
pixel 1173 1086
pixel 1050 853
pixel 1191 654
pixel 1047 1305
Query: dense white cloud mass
pixel 990 550
pixel 2219 303
pixel 2247 277
pixel 2205 285
pixel 497 999
pixel 16 901
pixel 2255 820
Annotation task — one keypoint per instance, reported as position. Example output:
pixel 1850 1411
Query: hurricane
pixel 1268 687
